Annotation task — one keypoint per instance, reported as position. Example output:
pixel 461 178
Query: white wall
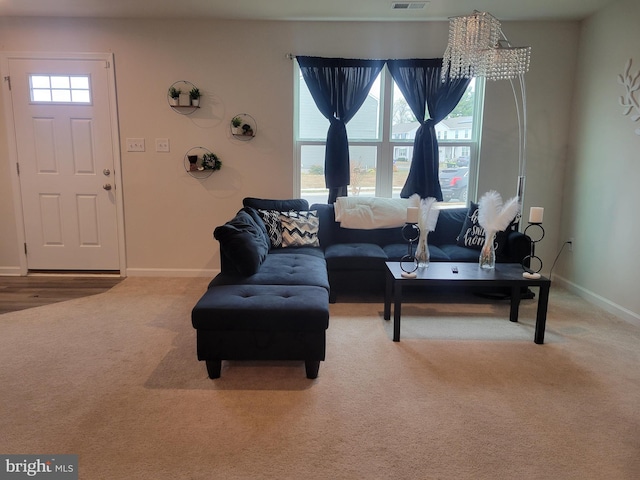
pixel 549 87
pixel 601 200
pixel 242 67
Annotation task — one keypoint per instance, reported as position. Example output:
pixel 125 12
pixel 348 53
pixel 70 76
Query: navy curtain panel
pixel 339 87
pixel 420 83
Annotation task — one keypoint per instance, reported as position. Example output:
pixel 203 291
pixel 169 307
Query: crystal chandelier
pixel 478 48
pixel 469 36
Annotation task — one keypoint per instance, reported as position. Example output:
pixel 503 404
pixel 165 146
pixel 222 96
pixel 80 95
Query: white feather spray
pixel 493 215
pixel 428 214
pixel 427 223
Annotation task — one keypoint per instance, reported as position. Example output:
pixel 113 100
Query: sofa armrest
pixel 243 244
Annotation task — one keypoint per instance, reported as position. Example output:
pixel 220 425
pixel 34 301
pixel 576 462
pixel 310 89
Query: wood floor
pixel 19 293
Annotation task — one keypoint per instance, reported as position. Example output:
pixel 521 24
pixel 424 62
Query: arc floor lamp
pixel 477 47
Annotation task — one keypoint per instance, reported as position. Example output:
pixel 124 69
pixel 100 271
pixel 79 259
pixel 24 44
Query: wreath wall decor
pixel 629 100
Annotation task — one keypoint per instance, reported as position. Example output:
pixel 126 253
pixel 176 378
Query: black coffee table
pixel 466 275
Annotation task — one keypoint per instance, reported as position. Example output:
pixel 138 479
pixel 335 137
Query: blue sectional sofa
pixel 355 258
pixel 283 262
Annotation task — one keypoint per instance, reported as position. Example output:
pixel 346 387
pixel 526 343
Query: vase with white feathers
pixel 427 223
pixel 494 217
pixel 488 252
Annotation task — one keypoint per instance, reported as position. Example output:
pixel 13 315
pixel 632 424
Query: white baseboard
pixel 170 272
pixel 604 303
pixel 10 271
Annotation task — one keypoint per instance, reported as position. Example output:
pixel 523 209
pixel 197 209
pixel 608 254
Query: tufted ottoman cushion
pixel 266 308
pixel 289 269
pixel 262 322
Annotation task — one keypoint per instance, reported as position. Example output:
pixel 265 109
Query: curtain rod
pixel 292 56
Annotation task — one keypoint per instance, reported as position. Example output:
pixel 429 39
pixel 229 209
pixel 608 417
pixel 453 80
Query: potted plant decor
pixel 193 162
pixel 247 130
pixel 210 161
pixel 194 95
pixel 174 95
pixel 235 125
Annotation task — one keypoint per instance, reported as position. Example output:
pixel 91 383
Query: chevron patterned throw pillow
pixel 300 228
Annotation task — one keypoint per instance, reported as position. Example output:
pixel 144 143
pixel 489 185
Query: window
pixel 60 89
pixel 381 137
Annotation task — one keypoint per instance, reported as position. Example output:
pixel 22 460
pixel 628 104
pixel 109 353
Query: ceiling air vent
pixel 408 5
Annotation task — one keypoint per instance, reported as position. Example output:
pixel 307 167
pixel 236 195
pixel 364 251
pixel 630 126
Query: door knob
pixel 107 186
pixel 106 172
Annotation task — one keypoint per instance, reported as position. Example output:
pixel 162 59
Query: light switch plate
pixel 135 144
pixel 162 145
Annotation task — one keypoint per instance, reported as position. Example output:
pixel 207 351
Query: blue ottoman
pixel 262 322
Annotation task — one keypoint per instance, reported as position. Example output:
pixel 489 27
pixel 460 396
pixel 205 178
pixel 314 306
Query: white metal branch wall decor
pixel 629 100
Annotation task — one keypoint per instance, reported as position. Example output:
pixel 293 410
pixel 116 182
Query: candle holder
pixel 408 263
pixel 535 262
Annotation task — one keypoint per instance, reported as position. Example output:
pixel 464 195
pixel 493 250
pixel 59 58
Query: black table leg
pixel 387 295
pixel 397 306
pixel 515 303
pixel 541 314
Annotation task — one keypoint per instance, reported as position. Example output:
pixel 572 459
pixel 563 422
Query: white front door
pixel 62 111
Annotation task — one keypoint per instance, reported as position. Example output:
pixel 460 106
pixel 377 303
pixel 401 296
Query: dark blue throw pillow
pixel 472 234
pixel 243 243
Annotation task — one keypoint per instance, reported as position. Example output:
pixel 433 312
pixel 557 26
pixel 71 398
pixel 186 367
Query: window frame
pixel 385 145
pixel 52 89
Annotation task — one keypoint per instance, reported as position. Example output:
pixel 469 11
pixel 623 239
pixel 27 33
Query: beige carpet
pixel 466 394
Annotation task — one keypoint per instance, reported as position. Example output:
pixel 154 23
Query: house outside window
pixel 381 137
